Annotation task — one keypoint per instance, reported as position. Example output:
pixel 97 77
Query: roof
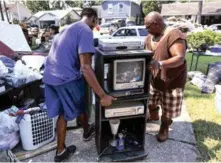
pixel 58 13
pixel 78 10
pixel 173 9
pixel 135 1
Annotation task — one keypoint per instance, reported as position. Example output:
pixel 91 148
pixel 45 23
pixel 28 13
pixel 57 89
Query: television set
pixel 127 74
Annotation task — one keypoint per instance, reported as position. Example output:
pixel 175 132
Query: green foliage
pixel 205 38
pixel 153 5
pixel 74 3
pixel 149 6
pixel 36 6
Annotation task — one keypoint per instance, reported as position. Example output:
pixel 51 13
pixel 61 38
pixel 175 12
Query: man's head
pixel 154 23
pixel 54 29
pixel 35 31
pixel 89 16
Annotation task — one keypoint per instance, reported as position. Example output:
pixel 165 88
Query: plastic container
pixel 36 130
pixel 120 142
pixel 215 49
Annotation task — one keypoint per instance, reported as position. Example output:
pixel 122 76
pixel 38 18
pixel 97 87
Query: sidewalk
pixel 180 147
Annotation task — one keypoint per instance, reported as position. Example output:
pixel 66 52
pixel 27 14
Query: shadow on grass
pixel 208 135
pixel 194 92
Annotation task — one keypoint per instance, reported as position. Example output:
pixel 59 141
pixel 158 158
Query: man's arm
pixel 177 50
pixel 88 72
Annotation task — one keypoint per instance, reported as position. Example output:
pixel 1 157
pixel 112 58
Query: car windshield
pixel 105 25
pixel 142 32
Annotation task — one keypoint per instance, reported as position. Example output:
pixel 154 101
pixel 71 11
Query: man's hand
pixel 154 65
pixel 106 100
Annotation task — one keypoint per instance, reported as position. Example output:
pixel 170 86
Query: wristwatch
pixel 161 64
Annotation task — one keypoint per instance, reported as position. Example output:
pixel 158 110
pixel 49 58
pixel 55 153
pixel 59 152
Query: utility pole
pixel 199 14
pixel 6 10
pixel 1 11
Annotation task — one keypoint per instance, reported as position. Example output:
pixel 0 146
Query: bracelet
pixel 161 64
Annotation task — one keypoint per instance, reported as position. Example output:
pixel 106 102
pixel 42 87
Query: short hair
pixel 55 28
pixel 89 12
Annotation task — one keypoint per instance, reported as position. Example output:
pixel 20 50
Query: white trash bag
pixel 9 136
pixel 3 69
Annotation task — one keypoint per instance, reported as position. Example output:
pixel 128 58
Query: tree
pixel 36 6
pixel 74 3
pixel 149 6
pixel 154 5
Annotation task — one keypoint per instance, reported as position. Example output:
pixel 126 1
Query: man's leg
pixel 171 108
pixel 83 118
pixel 89 130
pixel 61 133
pixel 154 100
pixel 154 113
pixel 63 152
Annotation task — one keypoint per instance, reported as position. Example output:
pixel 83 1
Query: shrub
pixel 202 40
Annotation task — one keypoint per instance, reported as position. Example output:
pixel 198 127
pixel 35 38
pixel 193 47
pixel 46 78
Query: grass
pixel 206 121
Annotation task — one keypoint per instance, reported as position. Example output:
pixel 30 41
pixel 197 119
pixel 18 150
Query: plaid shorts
pixel 170 101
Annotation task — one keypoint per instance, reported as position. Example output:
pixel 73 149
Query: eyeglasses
pixel 147 27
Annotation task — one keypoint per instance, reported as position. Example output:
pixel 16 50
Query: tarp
pixel 5 50
pixel 13 37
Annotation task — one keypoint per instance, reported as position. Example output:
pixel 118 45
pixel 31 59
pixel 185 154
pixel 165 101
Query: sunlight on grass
pixel 206 122
pixel 205 119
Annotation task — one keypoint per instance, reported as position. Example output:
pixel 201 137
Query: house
pixel 77 9
pixel 211 11
pixel 16 11
pixel 114 9
pixel 57 17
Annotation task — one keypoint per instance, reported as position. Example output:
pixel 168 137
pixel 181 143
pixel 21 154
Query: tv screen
pixel 129 73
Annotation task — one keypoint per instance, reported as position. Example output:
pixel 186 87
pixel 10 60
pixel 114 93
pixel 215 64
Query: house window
pixel 110 9
pixel 121 8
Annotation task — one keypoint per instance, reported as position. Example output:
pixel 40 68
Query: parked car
pixel 136 32
pixel 130 23
pixel 139 32
pixel 108 28
pixel 215 27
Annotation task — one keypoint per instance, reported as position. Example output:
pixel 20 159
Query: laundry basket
pixel 36 130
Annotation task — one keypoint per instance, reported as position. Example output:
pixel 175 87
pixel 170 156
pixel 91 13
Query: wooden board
pixel 29 154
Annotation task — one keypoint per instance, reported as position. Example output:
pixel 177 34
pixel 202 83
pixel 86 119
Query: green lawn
pixel 206 121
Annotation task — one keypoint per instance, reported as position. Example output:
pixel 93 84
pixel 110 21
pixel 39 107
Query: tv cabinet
pixel 133 125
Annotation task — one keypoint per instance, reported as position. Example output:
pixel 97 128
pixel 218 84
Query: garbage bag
pixel 9 141
pixel 7 124
pixel 3 69
pixel 23 72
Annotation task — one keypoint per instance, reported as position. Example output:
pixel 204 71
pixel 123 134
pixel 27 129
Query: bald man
pixel 168 69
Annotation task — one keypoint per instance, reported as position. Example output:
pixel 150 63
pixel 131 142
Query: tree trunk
pixel 1 11
pixel 199 14
pixel 6 10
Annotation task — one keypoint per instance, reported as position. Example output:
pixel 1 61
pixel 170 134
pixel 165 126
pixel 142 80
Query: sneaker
pixel 69 151
pixel 87 136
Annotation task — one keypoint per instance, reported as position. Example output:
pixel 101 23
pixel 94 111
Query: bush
pixel 202 40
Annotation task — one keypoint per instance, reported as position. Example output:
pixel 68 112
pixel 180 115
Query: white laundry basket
pixel 36 130
pixel 218 98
